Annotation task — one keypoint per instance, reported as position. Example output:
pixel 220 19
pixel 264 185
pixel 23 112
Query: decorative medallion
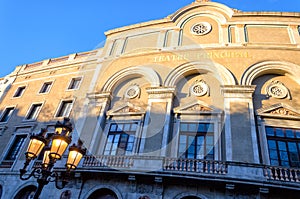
pixel 132 92
pixel 200 88
pixel 278 90
pixel 201 28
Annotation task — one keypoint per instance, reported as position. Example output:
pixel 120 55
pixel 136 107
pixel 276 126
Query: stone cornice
pixel 160 90
pixel 238 91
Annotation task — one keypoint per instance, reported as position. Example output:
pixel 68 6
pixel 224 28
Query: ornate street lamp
pixel 59 143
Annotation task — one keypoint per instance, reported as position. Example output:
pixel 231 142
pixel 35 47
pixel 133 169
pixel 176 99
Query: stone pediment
pixel 278 110
pixel 126 109
pixel 195 108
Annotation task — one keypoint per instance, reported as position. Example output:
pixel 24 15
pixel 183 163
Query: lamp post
pixel 59 143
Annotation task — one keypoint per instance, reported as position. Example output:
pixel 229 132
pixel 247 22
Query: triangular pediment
pixel 278 110
pixel 126 109
pixel 195 107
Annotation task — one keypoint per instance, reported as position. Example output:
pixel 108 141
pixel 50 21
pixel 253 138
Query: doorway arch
pixel 26 192
pixel 103 194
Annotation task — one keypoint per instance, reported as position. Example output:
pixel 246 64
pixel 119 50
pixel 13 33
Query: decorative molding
pixel 201 28
pixel 235 91
pixel 132 92
pixel 196 107
pixel 160 92
pixel 200 88
pixel 278 90
pixel 279 110
pixel 126 109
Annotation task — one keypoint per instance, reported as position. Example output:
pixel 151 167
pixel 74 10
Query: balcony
pixel 205 169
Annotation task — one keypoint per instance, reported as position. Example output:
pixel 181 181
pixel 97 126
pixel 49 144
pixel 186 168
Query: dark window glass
pixel 15 147
pixel 65 109
pixel 6 114
pixel 20 91
pixel 196 141
pixel 75 82
pixel 34 111
pixel 46 87
pixel 120 139
pixel 284 146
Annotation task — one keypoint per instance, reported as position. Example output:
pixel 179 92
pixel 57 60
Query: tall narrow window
pixel 120 139
pixel 46 87
pixel 284 146
pixel 6 114
pixel 65 109
pixel 75 82
pixel 196 141
pixel 33 112
pixel 15 147
pixel 20 91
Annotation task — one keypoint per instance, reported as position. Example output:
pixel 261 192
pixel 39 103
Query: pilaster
pixel 95 121
pixel 240 131
pixel 157 121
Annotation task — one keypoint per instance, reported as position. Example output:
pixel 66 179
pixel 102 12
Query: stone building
pixel 201 104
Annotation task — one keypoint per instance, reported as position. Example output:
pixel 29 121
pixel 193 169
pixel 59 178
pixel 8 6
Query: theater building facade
pixel 204 103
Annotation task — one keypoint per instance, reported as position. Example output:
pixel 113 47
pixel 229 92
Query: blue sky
pixel 35 30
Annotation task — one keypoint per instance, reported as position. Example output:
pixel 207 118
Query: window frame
pixel 31 109
pixel 43 85
pixel 197 134
pixel 121 133
pixel 214 119
pixel 23 87
pixel 137 135
pixel 284 139
pixel 9 116
pixel 71 82
pixel 58 110
pixel 11 145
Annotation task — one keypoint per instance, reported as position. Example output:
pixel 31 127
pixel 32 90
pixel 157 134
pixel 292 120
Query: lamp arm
pixel 36 173
pixel 64 179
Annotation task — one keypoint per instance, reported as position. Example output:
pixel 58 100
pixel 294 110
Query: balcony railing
pixel 194 165
pixel 230 170
pixel 108 161
pixel 282 174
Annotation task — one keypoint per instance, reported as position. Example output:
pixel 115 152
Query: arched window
pixel 103 194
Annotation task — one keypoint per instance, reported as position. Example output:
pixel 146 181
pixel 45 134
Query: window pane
pixel 182 139
pixel 281 146
pixel 210 127
pixel 272 144
pixel 279 132
pixel 183 127
pixel 289 133
pixel 113 127
pixel 126 127
pixel 134 127
pixel 192 128
pixel 273 154
pixel 201 128
pixel 269 131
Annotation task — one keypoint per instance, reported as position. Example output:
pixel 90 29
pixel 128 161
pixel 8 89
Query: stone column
pixel 156 130
pixel 240 131
pixel 95 120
